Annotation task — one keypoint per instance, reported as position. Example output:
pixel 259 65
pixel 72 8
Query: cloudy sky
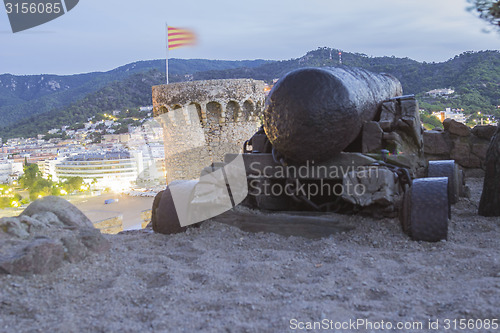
pixel 99 35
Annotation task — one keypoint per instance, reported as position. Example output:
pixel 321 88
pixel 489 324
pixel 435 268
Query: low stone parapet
pixel 458 142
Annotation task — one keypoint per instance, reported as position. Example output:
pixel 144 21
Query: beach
pixel 127 206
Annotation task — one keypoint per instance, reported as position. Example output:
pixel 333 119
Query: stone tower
pixel 203 120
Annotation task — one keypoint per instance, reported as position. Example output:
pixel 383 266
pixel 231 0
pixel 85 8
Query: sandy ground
pixel 217 278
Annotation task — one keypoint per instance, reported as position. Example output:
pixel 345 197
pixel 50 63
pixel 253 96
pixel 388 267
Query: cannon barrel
pixel 315 113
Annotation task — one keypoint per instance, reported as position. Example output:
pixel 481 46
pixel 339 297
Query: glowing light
pixel 15 204
pixel 63 192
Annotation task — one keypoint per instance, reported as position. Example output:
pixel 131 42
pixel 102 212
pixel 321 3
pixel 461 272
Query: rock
pixel 379 187
pixel 454 127
pixel 13 227
pixel 480 150
pixel 65 211
pixel 490 197
pixel 42 255
pixel 49 232
pixel 372 137
pixel 474 173
pixel 484 131
pixel 436 143
pixel 388 116
pixel 93 240
pixel 461 153
pixel 48 218
pixel 410 116
pixel 75 250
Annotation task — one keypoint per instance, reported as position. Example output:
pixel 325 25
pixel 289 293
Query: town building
pixel 444 92
pixel 10 171
pixel 116 170
pixel 455 114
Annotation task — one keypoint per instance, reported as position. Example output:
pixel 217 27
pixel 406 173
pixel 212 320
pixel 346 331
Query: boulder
pixel 484 131
pixel 454 127
pixel 65 211
pixel 461 153
pixel 41 255
pixel 480 150
pixel 436 143
pixel 371 137
pixel 48 233
pixel 489 205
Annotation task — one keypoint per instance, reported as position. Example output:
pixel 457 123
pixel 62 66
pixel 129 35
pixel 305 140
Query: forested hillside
pixel 31 105
pixel 22 97
pixel 475 76
pixel 130 92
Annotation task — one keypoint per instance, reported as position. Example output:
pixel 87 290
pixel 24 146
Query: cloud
pixel 101 35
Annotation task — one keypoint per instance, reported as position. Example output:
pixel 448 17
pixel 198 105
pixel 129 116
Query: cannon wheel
pixel 424 214
pixel 449 169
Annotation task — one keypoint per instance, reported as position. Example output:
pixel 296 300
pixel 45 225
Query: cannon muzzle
pixel 315 113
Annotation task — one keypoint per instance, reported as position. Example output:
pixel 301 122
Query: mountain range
pixel 33 104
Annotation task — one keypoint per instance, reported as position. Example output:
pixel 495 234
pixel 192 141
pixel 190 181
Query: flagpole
pixel 166 72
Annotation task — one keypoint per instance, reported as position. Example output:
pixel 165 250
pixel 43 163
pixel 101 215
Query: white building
pixel 116 171
pixel 10 170
pixel 440 92
pixel 146 108
pixel 48 168
pixel 148 139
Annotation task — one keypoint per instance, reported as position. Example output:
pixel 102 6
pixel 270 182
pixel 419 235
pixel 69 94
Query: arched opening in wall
pixel 175 114
pixel 194 111
pixel 162 109
pixel 248 109
pixel 214 111
pixel 232 111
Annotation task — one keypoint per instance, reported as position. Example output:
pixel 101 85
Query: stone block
pixel 436 143
pixel 474 173
pixel 454 127
pixel 371 137
pixel 461 153
pixel 484 131
pixel 388 116
pixel 480 150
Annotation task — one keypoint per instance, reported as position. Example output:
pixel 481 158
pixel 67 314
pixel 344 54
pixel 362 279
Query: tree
pixel 31 173
pixel 488 10
pixel 72 184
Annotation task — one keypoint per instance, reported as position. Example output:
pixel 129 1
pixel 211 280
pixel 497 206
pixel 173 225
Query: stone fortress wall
pixel 460 143
pixel 204 120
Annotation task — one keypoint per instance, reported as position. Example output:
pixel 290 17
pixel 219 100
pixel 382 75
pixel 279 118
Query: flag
pixel 180 37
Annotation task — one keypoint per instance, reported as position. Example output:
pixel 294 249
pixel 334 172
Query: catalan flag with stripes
pixel 180 37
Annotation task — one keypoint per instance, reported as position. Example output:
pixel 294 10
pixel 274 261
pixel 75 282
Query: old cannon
pixel 340 140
